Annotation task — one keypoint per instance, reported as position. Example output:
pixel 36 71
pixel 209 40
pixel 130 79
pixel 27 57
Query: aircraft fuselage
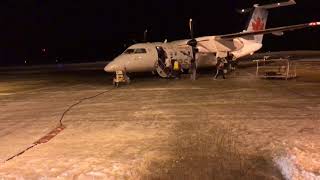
pixel 144 57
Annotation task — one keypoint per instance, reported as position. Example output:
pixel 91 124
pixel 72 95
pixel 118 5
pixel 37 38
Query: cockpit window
pixel 135 51
pixel 140 51
pixel 129 51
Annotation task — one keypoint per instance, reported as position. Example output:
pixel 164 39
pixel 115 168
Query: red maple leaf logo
pixel 257 24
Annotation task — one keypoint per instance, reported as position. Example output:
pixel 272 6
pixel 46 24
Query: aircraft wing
pixel 224 43
pixel 276 31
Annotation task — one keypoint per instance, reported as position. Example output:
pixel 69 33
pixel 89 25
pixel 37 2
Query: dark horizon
pixel 99 29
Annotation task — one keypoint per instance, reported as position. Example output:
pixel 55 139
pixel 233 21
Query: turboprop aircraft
pixel 205 51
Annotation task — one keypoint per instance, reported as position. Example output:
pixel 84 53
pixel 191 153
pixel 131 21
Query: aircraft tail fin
pixel 259 18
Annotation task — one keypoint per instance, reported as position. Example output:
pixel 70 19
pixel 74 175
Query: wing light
pixel 314 24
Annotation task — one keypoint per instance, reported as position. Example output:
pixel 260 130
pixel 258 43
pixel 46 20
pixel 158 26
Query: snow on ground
pixel 299 164
pixel 152 125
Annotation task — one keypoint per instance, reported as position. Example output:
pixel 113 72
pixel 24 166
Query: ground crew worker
pixel 168 69
pixel 220 69
pixel 176 69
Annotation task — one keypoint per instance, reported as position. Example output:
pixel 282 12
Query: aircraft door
pixel 161 63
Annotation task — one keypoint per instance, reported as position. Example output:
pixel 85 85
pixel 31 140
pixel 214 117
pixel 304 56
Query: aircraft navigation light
pixel 314 24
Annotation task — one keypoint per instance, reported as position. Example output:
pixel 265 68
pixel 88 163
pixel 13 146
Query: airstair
pixel 161 64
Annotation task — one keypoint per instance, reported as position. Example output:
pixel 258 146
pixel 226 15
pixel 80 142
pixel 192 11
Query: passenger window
pixel 140 51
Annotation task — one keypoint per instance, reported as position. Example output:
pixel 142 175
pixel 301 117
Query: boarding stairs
pixel 161 68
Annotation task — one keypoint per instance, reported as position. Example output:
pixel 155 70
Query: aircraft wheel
pixel 116 84
pixel 185 71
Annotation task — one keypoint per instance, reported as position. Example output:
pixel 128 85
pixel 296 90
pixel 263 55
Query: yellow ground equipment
pixel 120 77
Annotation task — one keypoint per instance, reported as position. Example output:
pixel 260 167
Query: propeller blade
pixel 193 43
pixel 145 35
pixel 193 65
pixel 191 28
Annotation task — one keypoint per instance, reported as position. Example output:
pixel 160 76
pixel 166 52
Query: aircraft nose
pixel 111 67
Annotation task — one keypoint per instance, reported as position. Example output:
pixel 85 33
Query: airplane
pixel 202 52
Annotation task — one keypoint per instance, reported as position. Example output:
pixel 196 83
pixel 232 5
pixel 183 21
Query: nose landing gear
pixel 121 77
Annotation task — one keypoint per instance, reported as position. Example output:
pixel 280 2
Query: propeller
pixel 193 44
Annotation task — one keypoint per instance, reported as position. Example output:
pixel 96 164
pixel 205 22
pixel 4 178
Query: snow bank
pixel 292 169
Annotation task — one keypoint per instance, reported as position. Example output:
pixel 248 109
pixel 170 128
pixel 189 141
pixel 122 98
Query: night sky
pixel 99 29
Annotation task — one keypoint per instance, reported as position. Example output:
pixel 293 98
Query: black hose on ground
pixel 59 128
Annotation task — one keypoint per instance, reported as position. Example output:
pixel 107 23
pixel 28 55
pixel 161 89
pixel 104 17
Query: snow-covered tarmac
pixel 160 129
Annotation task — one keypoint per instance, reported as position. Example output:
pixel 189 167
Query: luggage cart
pixel 120 77
pixel 276 69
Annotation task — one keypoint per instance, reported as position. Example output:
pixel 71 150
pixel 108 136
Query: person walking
pixel 220 70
